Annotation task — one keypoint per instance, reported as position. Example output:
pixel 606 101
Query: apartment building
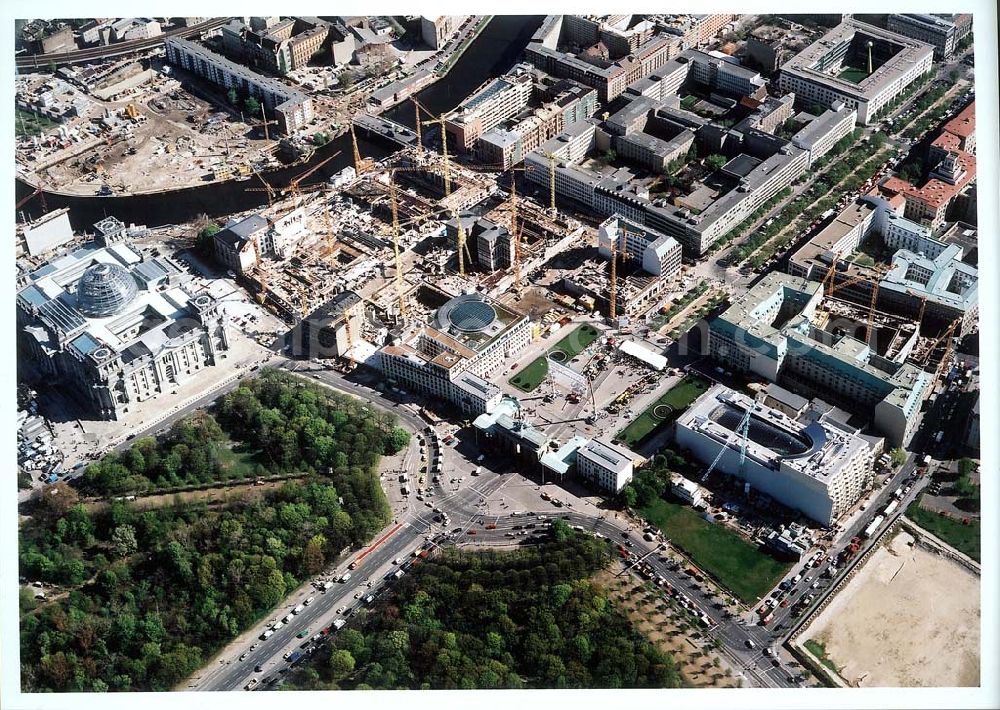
pixel 292 109
pixel 604 465
pixel 659 254
pixel 492 104
pixel 822 133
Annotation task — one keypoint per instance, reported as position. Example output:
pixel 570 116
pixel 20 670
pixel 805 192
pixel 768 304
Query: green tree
pixel 206 238
pixel 232 96
pixel 252 106
pixel 715 161
pixel 396 441
pixel 898 456
pixel 123 539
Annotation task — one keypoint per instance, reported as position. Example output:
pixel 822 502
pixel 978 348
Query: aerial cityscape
pixel 497 352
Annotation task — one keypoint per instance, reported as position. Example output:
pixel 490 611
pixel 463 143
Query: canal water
pixel 492 53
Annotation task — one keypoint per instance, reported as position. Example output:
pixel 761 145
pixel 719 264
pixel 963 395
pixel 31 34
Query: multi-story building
pixel 942 31
pixel 291 108
pixel 610 80
pixel 280 46
pixel 821 134
pixel 772 332
pixel 435 30
pixel 722 73
pixel 331 331
pixel 492 104
pixel 607 466
pixel 563 105
pixel 818 467
pixel 467 340
pixel 114 326
pixel 659 254
pixel 942 288
pixel 858 64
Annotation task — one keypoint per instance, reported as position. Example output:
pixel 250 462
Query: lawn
pixel 575 343
pixel 688 102
pixel 817 649
pixel 532 375
pixel 964 538
pixel 737 564
pixel 853 75
pixel 677 398
pixel 570 346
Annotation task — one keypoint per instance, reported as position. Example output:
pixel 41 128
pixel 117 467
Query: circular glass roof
pixel 472 315
pixel 104 290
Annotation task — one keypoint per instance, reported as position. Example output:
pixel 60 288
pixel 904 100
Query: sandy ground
pixel 909 618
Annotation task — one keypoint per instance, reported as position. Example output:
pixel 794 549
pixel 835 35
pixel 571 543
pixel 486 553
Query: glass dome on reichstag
pixel 105 289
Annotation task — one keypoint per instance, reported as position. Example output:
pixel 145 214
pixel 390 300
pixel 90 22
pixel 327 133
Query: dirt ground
pixel 700 665
pixel 910 618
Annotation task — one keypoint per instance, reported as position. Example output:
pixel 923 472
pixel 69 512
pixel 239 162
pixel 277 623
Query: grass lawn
pixel 27 123
pixel 817 649
pixel 678 399
pixel 571 345
pixel 737 564
pixel 853 75
pixel 575 343
pixel 964 538
pixel 236 464
pixel 688 101
pixel 532 375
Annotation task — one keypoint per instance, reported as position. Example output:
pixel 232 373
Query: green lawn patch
pixel 532 375
pixel 575 343
pixel 676 399
pixel 688 102
pixel 737 564
pixel 853 75
pixel 819 650
pixel 964 538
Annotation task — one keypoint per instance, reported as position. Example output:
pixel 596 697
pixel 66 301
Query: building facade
pixel 115 327
pixel 814 467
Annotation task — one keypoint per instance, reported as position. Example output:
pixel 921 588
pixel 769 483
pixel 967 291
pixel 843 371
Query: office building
pixel 606 466
pixel 490 105
pixel 279 47
pixel 658 254
pixel 775 331
pixel 112 326
pixel 942 31
pixel 331 331
pixel 817 467
pixel 292 109
pixel 858 64
pixel 823 132
pixel 466 341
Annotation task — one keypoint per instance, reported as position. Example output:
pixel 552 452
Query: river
pixel 492 53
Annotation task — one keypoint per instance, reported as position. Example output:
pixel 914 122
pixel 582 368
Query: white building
pixel 687 490
pixel 817 468
pixel 607 466
pixel 468 339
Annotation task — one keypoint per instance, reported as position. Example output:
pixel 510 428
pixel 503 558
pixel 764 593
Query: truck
pixel 345 576
pixel 339 624
pixel 873 526
pixel 267 634
pixel 891 507
pixel 298 609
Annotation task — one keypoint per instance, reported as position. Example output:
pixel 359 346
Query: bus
pixel 873 526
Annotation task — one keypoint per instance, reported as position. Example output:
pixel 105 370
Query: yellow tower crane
pixel 361 165
pixel 395 247
pixel 552 181
pixel 515 231
pixel 461 243
pixel 439 121
pixel 350 340
pixel 613 308
pixel 416 123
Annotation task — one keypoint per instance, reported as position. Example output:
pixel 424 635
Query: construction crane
pixel 328 223
pixel 829 278
pixel 361 165
pixel 261 273
pixel 395 247
pixel 869 325
pixel 515 231
pixel 613 309
pixel 439 121
pixel 271 193
pixel 352 363
pixel 294 185
pixel 949 336
pixel 462 248
pixel 552 181
pixel 416 122
pixel 743 430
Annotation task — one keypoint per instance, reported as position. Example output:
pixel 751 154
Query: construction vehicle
pixel 848 553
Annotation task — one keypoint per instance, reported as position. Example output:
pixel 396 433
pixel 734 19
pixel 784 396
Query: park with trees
pixel 144 596
pixel 529 618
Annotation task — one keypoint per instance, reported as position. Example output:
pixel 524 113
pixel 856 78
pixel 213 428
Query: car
pixel 309 600
pixel 303 633
pixel 258 668
pixel 397 561
pixel 244 655
pixel 470 532
pixel 287 654
pixel 750 644
pixel 341 610
pixel 252 684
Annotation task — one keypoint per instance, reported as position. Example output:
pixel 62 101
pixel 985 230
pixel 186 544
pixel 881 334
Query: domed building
pixel 114 326
pixel 466 340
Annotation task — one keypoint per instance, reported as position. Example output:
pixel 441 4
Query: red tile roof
pixel 964 124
